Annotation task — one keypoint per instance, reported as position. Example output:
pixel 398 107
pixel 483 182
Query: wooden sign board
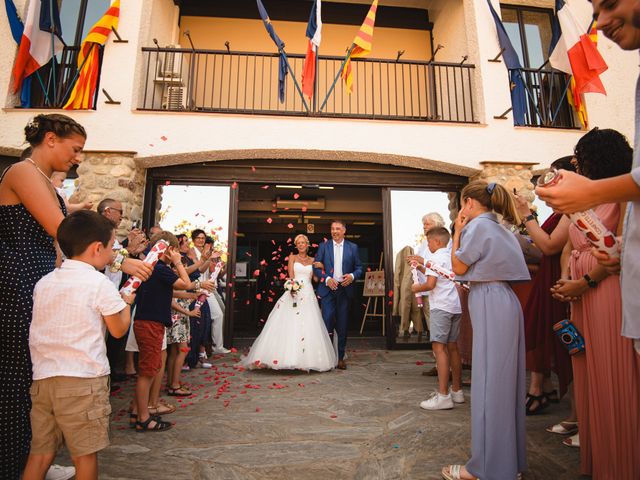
pixel 374 284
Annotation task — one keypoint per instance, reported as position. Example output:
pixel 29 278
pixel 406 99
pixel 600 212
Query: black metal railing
pixel 51 84
pixel 247 82
pixel 547 99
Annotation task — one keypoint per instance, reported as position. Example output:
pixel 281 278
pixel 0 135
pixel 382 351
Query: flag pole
pixel 315 80
pixel 53 49
pixel 295 81
pixel 337 76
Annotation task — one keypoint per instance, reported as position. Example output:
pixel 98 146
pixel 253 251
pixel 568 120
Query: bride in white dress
pixel 295 337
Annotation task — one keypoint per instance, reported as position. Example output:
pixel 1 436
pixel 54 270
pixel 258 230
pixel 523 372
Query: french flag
pixel 37 44
pixel 314 34
pixel 573 51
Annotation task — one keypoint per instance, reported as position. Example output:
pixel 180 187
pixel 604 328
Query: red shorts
pixel 149 335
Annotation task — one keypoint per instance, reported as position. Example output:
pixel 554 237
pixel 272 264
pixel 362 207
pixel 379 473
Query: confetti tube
pixel 443 272
pixel 134 282
pixel 200 300
pixel 587 222
pixel 414 274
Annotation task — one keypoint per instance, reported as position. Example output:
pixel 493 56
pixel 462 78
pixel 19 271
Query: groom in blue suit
pixel 342 267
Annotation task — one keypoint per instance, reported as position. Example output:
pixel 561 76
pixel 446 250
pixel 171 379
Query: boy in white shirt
pixel 73 306
pixel 445 312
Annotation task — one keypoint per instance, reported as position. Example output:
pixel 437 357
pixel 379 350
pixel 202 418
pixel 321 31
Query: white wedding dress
pixel 294 337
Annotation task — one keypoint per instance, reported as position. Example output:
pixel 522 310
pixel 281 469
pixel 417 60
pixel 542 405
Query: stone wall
pixel 510 175
pixel 112 175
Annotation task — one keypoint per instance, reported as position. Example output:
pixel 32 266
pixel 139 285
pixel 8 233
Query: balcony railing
pixel 247 82
pixel 547 104
pixel 51 85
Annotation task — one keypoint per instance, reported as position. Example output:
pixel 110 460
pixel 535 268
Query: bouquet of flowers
pixel 293 285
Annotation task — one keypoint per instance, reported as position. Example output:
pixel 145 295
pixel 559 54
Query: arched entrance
pixel 272 200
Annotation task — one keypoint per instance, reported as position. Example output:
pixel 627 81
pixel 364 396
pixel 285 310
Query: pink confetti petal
pixel 296 196
pixel 269 220
pixel 290 225
pixel 163 138
pixel 234 185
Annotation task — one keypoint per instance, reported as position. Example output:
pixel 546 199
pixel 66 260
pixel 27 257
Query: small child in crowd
pixel 73 306
pixel 445 311
pixel 153 314
pixel 57 180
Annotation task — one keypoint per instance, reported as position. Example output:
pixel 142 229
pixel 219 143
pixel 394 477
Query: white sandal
pixel 453 473
pixel 561 428
pixel 573 442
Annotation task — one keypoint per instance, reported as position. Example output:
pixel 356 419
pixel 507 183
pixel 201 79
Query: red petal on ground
pixel 289 225
pixel 333 416
pixel 234 350
pixel 234 185
pixel 253 169
pixel 391 293
pixel 257 409
pixel 163 138
pixel 304 209
pixel 275 362
pixel 269 220
pixel 264 187
pixel 258 296
pixel 296 196
pixel 168 182
pixel 301 385
pixel 256 272
pixel 419 362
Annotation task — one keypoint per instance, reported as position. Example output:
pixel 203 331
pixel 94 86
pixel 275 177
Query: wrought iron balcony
pixel 547 99
pixel 51 84
pixel 247 82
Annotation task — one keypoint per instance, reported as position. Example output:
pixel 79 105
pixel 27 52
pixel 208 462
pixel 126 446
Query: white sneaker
pixel 204 364
pixel 59 472
pixel 457 397
pixel 437 401
pixel 221 350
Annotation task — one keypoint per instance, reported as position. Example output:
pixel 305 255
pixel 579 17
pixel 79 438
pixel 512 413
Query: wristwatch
pixel 528 218
pixel 590 281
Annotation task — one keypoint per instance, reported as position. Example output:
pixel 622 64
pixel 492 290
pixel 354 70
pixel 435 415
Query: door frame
pixel 306 172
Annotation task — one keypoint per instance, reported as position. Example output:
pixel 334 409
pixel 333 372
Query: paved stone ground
pixel 362 423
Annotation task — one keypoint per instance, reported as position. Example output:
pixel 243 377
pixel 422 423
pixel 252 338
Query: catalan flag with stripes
pixel 362 45
pixel 84 91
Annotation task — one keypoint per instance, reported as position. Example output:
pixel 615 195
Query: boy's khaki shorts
pixel 72 409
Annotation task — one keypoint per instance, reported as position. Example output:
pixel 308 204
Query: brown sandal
pixel 178 392
pixel 161 409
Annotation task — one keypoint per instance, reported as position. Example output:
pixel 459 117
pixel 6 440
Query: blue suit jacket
pixel 350 264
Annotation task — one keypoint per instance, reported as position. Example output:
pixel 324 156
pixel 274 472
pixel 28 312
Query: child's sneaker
pixel 202 364
pixel 457 397
pixel 437 401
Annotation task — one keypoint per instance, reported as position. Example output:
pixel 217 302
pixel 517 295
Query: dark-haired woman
pixel 30 212
pixel 544 351
pixel 607 373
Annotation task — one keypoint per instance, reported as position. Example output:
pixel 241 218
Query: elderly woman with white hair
pixel 429 221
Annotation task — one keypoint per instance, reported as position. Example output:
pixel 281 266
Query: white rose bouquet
pixel 293 285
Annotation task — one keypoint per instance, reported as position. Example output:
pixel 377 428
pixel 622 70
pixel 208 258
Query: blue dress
pixel 27 253
pixel 498 379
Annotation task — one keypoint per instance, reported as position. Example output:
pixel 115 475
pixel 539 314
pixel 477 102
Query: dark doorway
pixel 269 218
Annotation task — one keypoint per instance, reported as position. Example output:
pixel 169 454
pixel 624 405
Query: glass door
pixel 408 215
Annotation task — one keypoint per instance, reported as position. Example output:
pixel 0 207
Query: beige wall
pixel 380 90
pixel 251 36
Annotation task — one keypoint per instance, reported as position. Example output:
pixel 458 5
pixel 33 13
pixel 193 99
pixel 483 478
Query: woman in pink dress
pixel 607 373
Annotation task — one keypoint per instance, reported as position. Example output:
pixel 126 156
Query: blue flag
pixel 17 27
pixel 282 64
pixel 511 60
pixel 556 32
pixel 50 17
